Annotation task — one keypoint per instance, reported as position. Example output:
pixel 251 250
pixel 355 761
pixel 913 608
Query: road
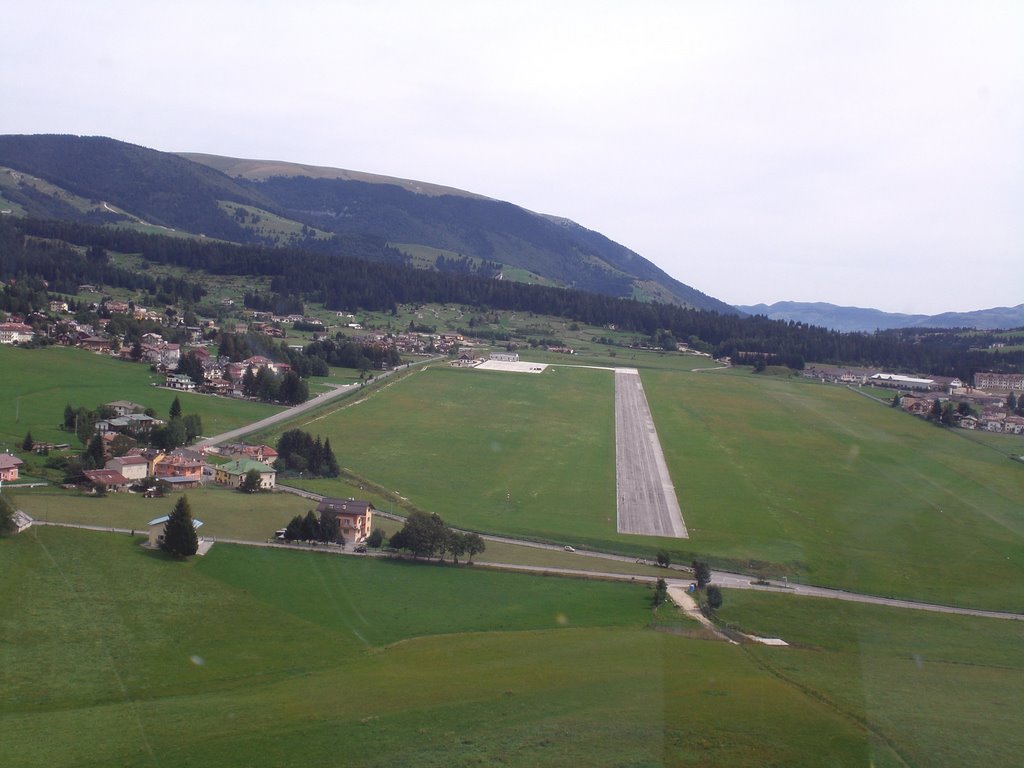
pixel 291 413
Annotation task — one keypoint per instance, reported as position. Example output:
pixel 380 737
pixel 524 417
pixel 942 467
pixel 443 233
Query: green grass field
pixel 945 690
pixel 120 656
pixel 835 489
pixel 37 383
pixel 497 452
pixel 774 474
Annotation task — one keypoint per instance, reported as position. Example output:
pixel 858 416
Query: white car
pixel 568 548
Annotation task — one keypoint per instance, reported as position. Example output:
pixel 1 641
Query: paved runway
pixel 646 498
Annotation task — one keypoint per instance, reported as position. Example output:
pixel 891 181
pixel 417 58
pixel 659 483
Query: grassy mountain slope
pixel 104 181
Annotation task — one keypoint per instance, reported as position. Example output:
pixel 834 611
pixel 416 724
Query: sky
pixel 860 153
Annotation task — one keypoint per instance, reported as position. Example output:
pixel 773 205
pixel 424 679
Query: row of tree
pixel 323 528
pixel 427 535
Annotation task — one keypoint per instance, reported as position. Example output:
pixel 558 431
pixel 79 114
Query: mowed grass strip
pixel 947 690
pixel 262 658
pixel 36 384
pixel 500 452
pixel 830 487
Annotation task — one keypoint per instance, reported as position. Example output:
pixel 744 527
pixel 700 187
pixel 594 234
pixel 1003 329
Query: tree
pixel 28 443
pixel 456 545
pixel 6 516
pixel 293 532
pixel 701 573
pixel 664 558
pixel 330 529
pixel 175 412
pixel 1011 402
pixel 310 527
pixel 180 538
pixel 251 482
pixel 935 414
pixel 375 539
pixel 193 424
pixel 714 594
pixel 660 593
pixel 475 545
pixel 94 457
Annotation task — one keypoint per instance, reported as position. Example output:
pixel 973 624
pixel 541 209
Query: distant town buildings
pixel 999 382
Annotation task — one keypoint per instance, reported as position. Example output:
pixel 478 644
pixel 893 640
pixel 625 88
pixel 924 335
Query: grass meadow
pixel 115 655
pixel 943 690
pixel 36 384
pixel 832 488
pixel 774 474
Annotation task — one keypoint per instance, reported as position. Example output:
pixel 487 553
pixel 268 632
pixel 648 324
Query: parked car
pixel 568 548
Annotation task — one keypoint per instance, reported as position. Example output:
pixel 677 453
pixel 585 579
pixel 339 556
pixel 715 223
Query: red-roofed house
pixel 113 480
pixel 9 467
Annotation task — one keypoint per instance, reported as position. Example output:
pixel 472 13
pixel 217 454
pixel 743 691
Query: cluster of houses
pixel 184 468
pixel 986 396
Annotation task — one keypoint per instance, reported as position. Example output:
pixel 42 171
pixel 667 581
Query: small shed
pixel 156 530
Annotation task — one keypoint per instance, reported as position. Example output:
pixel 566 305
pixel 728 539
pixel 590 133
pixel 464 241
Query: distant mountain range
pixel 858 319
pixel 105 181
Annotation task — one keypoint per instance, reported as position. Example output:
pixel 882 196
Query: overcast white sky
pixel 862 153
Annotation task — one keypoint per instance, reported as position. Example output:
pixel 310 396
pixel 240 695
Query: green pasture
pixel 225 512
pixel 37 383
pixel 115 655
pixel 829 487
pixel 945 690
pixel 501 452
pixel 776 475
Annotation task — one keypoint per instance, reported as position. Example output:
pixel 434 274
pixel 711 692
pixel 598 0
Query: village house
pixel 9 467
pixel 133 424
pixel 181 468
pixel 57 306
pixel 233 473
pixel 131 467
pixel 113 481
pixel 262 453
pixel 15 333
pixel 355 517
pixel 124 407
pixel 180 381
pixel 96 344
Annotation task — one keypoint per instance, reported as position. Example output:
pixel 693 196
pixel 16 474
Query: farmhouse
pixel 354 517
pixel 114 481
pixel 9 467
pixel 234 472
pixel 124 407
pixel 505 357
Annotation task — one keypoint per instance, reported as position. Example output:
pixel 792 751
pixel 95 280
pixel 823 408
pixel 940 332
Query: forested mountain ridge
pixel 66 254
pixel 316 208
